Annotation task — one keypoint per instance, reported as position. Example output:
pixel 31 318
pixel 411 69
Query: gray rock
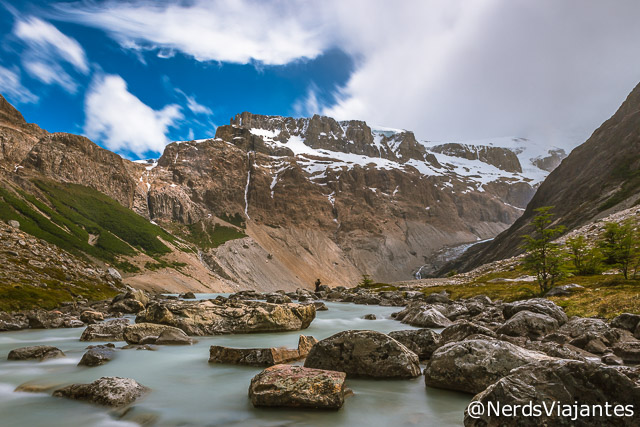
pixel 13 223
pixel 563 381
pixel 320 306
pixel 628 351
pixel 536 305
pixel 364 353
pixel 111 330
pixel 528 324
pixel 422 342
pixel 114 392
pixel 114 273
pixel 427 318
pixel 173 336
pixel 90 317
pixel 563 290
pixel 136 334
pixel 472 365
pixel 369 317
pixel 97 356
pixel 626 321
pixel 38 352
pixel 461 329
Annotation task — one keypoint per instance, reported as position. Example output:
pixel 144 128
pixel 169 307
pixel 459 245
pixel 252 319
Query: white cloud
pixel 47 47
pixel 447 69
pixel 194 106
pixel 11 87
pixel 50 73
pixel 309 104
pixel 238 31
pixel 122 122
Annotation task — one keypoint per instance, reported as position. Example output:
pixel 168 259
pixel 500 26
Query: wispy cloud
pixel 241 31
pixel 309 104
pixel 47 48
pixel 11 86
pixel 122 122
pixel 194 106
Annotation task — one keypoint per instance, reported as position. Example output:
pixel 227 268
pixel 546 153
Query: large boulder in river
pixel 111 330
pixel 472 365
pixel 528 324
pixel 37 352
pixel 561 382
pixel 536 305
pixel 212 317
pixel 114 392
pixel 422 342
pixel 141 333
pixel 364 353
pixel 298 387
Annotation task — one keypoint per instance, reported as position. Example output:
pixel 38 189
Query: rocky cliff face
pixel 274 202
pixel 598 178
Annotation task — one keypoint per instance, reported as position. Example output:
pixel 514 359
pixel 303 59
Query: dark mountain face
pixel 599 177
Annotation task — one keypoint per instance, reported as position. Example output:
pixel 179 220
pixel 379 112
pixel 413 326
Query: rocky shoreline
pixel 490 349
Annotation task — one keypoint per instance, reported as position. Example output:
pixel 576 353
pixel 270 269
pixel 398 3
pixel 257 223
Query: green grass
pixel 206 236
pixel 378 287
pixel 73 212
pixel 153 266
pixel 14 296
pixel 235 219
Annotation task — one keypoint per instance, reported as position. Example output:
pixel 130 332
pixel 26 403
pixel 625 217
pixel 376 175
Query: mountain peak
pixel 9 113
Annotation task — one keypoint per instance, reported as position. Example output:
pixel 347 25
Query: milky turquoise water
pixel 188 391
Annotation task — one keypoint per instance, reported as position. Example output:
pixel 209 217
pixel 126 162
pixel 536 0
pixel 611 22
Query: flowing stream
pixel 188 391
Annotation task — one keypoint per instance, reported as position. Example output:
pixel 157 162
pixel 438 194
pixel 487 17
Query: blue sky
pixel 133 76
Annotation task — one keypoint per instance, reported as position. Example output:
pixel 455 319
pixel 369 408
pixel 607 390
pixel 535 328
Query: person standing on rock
pixel 318 282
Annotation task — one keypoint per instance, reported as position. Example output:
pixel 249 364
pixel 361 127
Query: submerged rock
pixel 261 356
pixel 113 392
pixel 364 353
pixel 38 352
pixel 422 342
pixel 472 365
pixel 298 387
pixel 567 382
pixel 232 316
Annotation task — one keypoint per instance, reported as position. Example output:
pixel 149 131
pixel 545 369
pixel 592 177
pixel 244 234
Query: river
pixel 188 391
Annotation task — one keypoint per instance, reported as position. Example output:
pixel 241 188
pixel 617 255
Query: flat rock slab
pixel 213 317
pixel 298 387
pixel 261 356
pixel 140 333
pixel 114 392
pixel 37 352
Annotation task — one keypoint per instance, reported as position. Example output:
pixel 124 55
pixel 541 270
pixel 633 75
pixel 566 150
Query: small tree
pixel 366 281
pixel 585 260
pixel 619 246
pixel 543 257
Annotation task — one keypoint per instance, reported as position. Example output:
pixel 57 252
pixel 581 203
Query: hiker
pixel 318 285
